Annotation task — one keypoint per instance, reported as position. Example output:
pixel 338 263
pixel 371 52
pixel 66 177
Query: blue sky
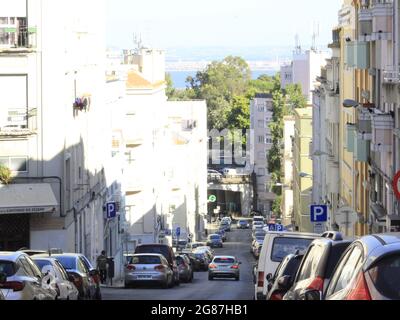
pixel 199 23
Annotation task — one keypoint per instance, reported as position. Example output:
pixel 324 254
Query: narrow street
pixel 201 289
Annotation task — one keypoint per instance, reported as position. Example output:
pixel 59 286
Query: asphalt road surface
pixel 238 245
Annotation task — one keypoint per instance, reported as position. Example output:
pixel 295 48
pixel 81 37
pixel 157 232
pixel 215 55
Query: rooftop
pixel 137 81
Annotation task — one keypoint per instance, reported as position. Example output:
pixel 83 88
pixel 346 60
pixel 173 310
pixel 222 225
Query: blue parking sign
pixel 111 210
pixel 319 213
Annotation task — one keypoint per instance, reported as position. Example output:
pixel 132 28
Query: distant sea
pixel 179 77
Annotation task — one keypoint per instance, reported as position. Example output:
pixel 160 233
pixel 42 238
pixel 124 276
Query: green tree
pixel 295 96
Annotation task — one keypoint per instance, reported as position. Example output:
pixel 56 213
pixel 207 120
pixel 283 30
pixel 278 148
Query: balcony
pixel 364 129
pixel 382 132
pixel 391 75
pixel 20 40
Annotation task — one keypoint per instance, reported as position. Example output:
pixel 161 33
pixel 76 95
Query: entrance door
pixel 14 232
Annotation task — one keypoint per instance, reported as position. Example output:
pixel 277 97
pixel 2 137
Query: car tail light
pixel 235 267
pixel 213 266
pixel 131 267
pixel 360 291
pixel 159 268
pixel 276 297
pixel 14 285
pixel 317 284
pixel 260 282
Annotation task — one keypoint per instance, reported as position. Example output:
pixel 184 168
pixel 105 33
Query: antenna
pixel 137 41
pixel 297 48
pixel 315 35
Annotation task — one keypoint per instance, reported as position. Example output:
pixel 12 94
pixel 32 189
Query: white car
pixel 258 225
pixel 276 246
pixel 58 278
pixel 23 279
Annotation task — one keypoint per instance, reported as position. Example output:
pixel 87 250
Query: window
pixel 385 277
pixel 345 271
pixel 13 103
pixel 285 246
pixel 309 267
pixel 3 20
pixel 261 139
pixel 15 164
pixel 261 109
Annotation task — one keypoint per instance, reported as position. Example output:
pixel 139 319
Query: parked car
pixel 258 219
pixel 208 251
pixel 227 219
pixel 22 279
pixel 224 267
pixel 283 277
pixel 257 247
pixel 194 260
pixel 58 278
pixel 185 268
pixel 194 245
pixel 225 225
pixel 215 241
pixel 243 224
pixel 257 225
pixel 368 270
pixel 318 265
pixel 277 245
pixel 166 251
pixel 214 174
pixel 179 245
pixel 79 272
pixel 259 235
pixel 95 274
pixel 203 260
pixel 222 233
pixel 148 268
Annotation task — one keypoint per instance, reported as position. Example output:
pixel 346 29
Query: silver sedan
pixel 224 267
pixel 148 268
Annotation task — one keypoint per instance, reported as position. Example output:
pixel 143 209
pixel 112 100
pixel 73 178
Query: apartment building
pixel 52 118
pixel 261 113
pixel 287 183
pixel 302 169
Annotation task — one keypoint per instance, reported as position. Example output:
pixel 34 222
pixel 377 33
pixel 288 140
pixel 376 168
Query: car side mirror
pixel 269 276
pixel 284 282
pixel 312 295
pixel 3 278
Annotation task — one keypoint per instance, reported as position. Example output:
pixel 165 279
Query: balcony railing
pixel 15 40
pixel 391 75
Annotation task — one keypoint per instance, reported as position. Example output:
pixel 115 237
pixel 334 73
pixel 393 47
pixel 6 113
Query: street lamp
pixel 349 103
pixel 305 175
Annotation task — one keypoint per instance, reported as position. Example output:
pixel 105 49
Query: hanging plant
pixel 5 174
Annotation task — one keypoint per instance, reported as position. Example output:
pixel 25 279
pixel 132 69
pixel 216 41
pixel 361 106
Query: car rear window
pixel 385 276
pixel 7 267
pixel 283 246
pixel 224 260
pixel 68 263
pixel 146 260
pixel 155 249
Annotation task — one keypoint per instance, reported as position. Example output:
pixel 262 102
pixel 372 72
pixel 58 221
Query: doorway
pixel 14 232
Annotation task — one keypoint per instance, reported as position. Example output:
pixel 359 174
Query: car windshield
pixel 215 237
pixel 285 246
pixel 243 222
pixel 69 263
pixel 258 223
pixel 145 260
pixel 196 245
pixel 260 238
pixel 8 268
pixel 224 260
pixel 385 276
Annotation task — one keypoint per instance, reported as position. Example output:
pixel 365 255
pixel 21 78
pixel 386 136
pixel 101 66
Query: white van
pixel 276 246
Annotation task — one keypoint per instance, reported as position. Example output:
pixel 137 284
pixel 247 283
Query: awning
pixel 379 212
pixel 27 198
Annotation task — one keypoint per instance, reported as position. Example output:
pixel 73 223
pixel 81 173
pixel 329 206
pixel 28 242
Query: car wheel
pixel 210 278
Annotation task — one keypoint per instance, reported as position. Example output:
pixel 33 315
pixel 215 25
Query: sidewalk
pixel 117 284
